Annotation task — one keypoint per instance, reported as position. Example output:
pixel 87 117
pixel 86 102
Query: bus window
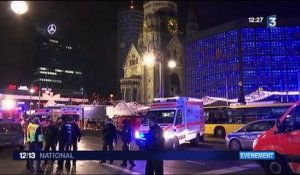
pixel 236 116
pixel 278 112
pixel 219 118
pixel 209 118
pixel 250 114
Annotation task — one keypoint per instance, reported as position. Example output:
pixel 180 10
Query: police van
pixel 181 119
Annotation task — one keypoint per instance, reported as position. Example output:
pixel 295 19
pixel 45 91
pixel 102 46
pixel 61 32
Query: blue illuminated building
pixel 218 58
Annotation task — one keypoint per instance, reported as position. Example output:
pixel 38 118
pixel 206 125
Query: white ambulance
pixel 72 112
pixel 45 113
pixel 181 118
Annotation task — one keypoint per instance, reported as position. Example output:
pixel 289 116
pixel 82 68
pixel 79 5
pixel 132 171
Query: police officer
pixel 50 137
pixel 36 142
pixel 64 141
pixel 126 134
pixel 154 142
pixel 109 133
pixel 76 136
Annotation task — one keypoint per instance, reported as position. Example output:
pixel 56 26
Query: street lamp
pixel 149 59
pixel 19 7
pixel 172 64
pixel 31 91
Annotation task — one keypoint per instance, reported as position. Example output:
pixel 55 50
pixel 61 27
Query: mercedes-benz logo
pixel 51 29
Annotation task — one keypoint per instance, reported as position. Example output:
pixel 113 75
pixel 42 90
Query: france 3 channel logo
pixel 257 155
pixel 271 21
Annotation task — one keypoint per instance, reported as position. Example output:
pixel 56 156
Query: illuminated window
pixel 58 70
pixel 69 72
pixel 42 68
pixel 47 73
pixel 53 41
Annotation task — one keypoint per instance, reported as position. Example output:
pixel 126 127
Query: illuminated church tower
pixel 143 82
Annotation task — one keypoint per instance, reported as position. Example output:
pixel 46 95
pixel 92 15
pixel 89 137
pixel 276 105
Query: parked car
pixel 243 138
pixel 11 134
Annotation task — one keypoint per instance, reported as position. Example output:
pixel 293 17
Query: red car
pixel 284 139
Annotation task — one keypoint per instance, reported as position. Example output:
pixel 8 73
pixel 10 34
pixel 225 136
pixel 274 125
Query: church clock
pixel 172 26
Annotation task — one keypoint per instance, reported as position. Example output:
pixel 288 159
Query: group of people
pixel 154 142
pixel 66 133
pixel 109 136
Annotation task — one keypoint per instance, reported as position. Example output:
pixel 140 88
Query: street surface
pixel 9 166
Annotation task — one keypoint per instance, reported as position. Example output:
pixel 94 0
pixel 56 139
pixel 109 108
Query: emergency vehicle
pixel 47 113
pixel 284 139
pixel 11 114
pixel 72 113
pixel 181 119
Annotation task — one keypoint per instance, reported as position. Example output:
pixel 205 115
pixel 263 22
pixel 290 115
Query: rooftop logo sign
pixel 51 29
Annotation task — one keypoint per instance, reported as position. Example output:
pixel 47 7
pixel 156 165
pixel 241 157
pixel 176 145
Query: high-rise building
pixel 57 63
pixel 130 23
pixel 254 56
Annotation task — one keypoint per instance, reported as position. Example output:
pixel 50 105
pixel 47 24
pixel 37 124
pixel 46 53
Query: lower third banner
pixel 125 155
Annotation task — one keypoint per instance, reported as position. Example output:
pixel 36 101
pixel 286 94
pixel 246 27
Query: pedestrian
pixel 154 142
pixel 28 126
pixel 109 134
pixel 36 143
pixel 126 134
pixel 64 141
pixel 50 134
pixel 76 136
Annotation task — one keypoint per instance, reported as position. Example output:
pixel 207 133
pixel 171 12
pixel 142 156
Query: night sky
pixel 93 25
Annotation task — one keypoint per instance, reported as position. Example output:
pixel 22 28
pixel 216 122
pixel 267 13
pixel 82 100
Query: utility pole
pixel 226 90
pixel 299 81
pixel 281 97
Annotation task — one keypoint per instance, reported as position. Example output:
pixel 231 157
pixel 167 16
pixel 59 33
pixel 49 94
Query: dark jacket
pixel 155 139
pixel 76 133
pixel 109 133
pixel 51 134
pixel 126 134
pixel 65 133
pixel 38 142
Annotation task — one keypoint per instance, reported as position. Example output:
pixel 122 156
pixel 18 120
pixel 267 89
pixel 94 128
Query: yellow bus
pixel 221 120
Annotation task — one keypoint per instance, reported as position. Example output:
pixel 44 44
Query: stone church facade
pixel 141 82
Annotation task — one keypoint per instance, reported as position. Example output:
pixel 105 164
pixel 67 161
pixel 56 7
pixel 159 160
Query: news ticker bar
pixel 145 155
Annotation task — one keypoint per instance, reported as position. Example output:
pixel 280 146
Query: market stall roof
pixel 126 109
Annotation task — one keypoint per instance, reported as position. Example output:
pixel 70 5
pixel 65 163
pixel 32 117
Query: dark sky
pixel 94 26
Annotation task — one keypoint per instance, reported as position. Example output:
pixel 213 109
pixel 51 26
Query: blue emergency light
pixel 139 135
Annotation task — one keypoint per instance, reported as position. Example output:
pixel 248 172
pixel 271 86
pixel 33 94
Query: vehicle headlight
pixel 137 134
pixel 168 135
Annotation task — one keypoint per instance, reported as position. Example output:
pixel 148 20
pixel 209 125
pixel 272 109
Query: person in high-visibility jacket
pixel 28 123
pixel 30 129
pixel 35 138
